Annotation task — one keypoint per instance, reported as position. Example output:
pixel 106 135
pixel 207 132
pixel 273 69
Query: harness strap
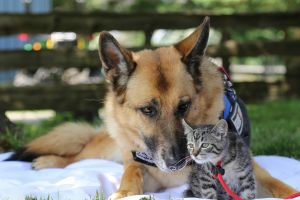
pixel 292 196
pixel 217 173
pixel 227 189
pixel 144 158
pixel 223 70
pixel 215 170
pixel 227 107
pixel 232 112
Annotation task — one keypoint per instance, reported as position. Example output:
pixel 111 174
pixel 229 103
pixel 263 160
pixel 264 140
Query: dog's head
pixel 152 90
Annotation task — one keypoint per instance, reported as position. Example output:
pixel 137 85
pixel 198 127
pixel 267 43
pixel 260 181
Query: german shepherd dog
pixel 149 92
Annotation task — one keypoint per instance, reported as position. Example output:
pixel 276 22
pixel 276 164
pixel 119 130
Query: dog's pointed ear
pixel 194 46
pixel 196 43
pixel 116 61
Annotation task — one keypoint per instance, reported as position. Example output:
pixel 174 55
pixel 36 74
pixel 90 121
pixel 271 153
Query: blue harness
pixel 232 112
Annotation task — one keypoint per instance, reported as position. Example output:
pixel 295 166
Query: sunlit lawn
pixel 275 128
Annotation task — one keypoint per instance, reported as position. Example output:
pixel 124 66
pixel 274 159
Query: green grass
pixel 31 197
pixel 275 128
pixel 31 131
pixel 98 196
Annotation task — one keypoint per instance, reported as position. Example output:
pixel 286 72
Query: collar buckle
pixel 217 169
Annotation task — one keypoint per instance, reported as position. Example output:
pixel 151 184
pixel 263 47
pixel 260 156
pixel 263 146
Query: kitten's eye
pixel 204 145
pixel 149 111
pixel 190 146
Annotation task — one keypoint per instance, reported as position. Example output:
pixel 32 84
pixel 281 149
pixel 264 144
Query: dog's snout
pixel 173 156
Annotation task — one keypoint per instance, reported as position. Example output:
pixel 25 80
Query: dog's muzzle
pixel 146 159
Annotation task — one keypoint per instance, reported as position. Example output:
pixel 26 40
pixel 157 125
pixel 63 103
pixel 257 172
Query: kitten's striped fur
pixel 207 145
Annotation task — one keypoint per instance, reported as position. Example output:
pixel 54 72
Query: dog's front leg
pixel 132 180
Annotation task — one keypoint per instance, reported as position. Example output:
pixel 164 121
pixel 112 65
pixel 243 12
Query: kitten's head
pixel 206 142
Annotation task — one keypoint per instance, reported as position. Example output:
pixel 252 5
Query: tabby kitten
pixel 207 145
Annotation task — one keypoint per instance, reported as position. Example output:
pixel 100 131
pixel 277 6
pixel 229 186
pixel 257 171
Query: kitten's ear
pixel 187 127
pixel 221 128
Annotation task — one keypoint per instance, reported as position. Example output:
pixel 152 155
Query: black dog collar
pixel 144 158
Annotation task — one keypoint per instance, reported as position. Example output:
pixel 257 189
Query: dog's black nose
pixel 174 157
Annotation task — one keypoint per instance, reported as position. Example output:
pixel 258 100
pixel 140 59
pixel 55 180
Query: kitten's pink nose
pixel 196 152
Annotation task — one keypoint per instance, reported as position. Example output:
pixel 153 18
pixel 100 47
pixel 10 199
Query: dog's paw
pixel 120 194
pixel 43 162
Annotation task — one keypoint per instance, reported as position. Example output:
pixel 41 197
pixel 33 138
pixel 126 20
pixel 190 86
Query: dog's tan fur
pixel 157 74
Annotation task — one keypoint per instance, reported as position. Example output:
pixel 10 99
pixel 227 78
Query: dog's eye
pixel 149 111
pixel 183 107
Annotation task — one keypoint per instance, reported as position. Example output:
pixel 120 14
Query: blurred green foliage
pixel 257 34
pixel 195 6
pixel 216 6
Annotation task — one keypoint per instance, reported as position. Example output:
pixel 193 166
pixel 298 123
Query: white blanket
pixel 82 180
